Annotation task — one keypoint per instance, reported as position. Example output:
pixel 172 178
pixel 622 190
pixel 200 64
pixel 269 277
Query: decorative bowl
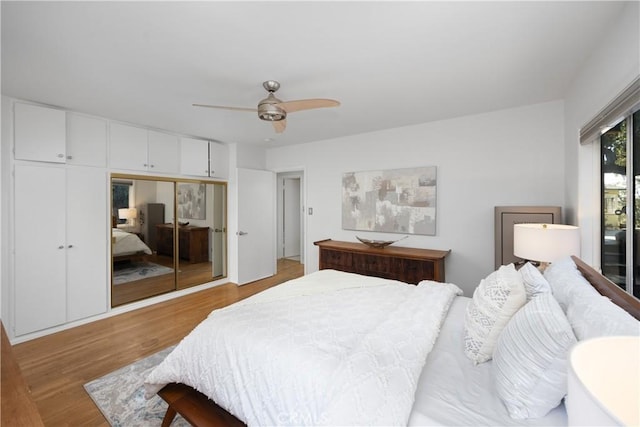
pixel 378 244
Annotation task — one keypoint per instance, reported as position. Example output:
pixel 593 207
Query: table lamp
pixel 604 382
pixel 545 243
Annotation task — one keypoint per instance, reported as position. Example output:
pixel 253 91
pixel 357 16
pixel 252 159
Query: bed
pixel 127 246
pixel 371 351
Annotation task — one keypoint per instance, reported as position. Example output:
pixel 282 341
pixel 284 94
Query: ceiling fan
pixel 273 110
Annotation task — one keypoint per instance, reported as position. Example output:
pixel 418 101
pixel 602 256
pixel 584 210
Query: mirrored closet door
pixel 166 235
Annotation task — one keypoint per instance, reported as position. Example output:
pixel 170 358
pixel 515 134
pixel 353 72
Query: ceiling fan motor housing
pixel 269 110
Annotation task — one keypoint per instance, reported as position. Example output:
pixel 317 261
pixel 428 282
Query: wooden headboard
pixel 606 287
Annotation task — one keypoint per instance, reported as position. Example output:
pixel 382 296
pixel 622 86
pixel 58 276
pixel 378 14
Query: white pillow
pixel 534 281
pixel 567 283
pixel 495 300
pixel 597 316
pixel 530 360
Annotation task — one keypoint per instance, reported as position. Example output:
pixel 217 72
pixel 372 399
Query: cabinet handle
pixel 61 247
pixel 60 155
pixel 70 246
pixel 152 166
pixel 145 165
pixel 70 157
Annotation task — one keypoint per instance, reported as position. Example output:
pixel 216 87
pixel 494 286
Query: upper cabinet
pixel 219 160
pixel 203 158
pixel 46 134
pixel 163 152
pixel 40 133
pixel 194 157
pixel 86 140
pixel 141 149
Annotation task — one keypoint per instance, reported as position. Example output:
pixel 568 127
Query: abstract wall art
pixel 394 200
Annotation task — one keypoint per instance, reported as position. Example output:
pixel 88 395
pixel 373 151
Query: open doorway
pixel 290 217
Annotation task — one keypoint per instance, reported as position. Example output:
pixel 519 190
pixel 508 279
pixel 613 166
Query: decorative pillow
pixel 567 284
pixel 530 360
pixel 495 300
pixel 534 281
pixel 597 316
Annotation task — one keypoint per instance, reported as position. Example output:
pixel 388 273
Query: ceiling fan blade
pixel 307 104
pixel 222 107
pixel 280 125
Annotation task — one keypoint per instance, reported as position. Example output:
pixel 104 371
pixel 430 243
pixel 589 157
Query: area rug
pixel 138 270
pixel 120 395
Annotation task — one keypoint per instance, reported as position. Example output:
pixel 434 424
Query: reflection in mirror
pixel 201 232
pixel 140 269
pixel 144 262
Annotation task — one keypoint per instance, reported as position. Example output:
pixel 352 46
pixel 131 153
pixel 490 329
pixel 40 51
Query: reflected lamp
pixel 129 214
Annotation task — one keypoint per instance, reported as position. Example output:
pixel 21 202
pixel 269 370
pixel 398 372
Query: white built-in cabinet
pixel 86 140
pixel 60 270
pixel 203 158
pixel 39 133
pixel 45 134
pixel 61 202
pixel 137 148
pixel 219 154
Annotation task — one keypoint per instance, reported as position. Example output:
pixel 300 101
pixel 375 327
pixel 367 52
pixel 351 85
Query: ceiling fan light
pixel 271 113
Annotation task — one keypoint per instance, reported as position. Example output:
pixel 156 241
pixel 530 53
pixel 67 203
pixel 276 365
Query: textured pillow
pixel 567 284
pixel 530 360
pixel 495 300
pixel 534 282
pixel 597 316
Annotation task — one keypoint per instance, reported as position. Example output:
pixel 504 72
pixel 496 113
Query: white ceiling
pixel 391 64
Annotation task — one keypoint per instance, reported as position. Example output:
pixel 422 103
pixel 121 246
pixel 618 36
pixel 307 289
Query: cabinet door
pixel 194 157
pixel 219 160
pixel 40 254
pixel 163 152
pixel 39 133
pixel 86 140
pixel 87 234
pixel 128 147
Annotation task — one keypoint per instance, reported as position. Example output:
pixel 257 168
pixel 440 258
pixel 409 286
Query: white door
pixel 256 225
pixel 40 248
pixel 87 222
pixel 291 213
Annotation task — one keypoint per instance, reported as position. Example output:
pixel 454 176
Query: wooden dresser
pixel 193 242
pixel 409 265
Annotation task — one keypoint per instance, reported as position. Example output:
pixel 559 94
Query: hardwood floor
pixel 57 366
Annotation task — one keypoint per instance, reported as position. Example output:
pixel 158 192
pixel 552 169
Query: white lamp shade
pixel 545 242
pixel 127 213
pixel 604 382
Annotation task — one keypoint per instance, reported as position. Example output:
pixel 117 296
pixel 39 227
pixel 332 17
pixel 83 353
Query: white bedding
pixel 329 348
pixel 127 243
pixel 452 391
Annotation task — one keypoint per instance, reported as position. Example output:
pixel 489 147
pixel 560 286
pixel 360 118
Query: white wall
pixel 611 67
pixel 510 157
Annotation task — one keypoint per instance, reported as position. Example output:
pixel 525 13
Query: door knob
pixel 241 233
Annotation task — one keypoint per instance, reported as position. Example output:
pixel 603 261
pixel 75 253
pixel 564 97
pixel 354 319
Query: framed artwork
pixel 191 200
pixel 394 201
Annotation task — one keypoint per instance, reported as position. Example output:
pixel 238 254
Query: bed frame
pixel 200 411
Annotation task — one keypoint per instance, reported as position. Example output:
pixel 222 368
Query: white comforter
pixel 128 243
pixel 330 348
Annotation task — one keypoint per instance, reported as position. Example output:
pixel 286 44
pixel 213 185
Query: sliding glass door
pixel 620 173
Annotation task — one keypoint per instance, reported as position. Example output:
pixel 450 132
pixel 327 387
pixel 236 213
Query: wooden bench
pixel 194 407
